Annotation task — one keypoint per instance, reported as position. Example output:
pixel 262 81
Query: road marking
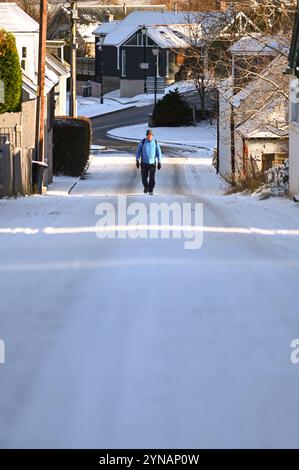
pixel 199 263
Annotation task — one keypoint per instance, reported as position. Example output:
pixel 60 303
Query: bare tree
pixel 211 34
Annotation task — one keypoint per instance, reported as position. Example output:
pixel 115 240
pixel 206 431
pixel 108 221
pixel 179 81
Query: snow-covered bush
pixel 277 178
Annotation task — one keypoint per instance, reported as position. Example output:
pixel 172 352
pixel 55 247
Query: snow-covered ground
pixel 91 107
pixel 139 343
pixel 145 98
pixel 201 137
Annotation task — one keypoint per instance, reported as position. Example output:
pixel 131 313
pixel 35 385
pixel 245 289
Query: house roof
pixel 29 84
pixel 91 14
pixel 15 20
pixel 86 14
pixel 174 36
pixel 129 25
pixel 58 66
pixel 294 49
pixel 203 23
pixel 272 71
pixel 106 27
pixel 270 122
pixel 260 44
pixel 86 31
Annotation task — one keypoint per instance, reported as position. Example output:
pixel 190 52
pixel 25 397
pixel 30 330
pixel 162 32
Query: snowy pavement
pixel 122 343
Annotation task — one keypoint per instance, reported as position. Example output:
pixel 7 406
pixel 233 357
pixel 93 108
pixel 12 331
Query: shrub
pixel 10 73
pixel 172 111
pixel 248 180
pixel 72 139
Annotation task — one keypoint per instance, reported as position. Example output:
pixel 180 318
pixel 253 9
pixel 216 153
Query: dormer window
pixel 142 39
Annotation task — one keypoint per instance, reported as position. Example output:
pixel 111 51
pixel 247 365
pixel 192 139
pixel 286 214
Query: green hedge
pixel 72 139
pixel 10 73
pixel 172 111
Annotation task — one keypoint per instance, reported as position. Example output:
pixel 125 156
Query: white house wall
pixel 224 137
pixel 256 148
pixel 294 158
pixel 294 139
pixel 60 101
pixel 30 41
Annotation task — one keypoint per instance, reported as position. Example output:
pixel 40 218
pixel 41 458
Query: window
pixel 123 63
pixel 139 39
pixel 142 39
pixel 24 58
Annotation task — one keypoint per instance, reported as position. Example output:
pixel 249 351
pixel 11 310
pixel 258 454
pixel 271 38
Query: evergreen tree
pixel 10 73
pixel 172 111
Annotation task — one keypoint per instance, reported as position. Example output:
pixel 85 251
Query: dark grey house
pixel 122 48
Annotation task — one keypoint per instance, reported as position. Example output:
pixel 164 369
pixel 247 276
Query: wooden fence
pixel 15 170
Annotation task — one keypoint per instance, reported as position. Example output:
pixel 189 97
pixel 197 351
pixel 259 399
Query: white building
pixel 294 110
pixel 253 127
pixel 26 32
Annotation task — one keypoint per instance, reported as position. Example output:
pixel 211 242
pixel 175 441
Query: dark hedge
pixel 72 139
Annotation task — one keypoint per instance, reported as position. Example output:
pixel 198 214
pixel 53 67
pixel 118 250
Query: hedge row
pixel 72 139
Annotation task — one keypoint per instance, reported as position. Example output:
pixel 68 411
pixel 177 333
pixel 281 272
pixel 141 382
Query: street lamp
pixel 100 49
pixel 156 55
pixel 144 31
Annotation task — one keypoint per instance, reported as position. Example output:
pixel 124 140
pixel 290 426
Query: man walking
pixel 149 152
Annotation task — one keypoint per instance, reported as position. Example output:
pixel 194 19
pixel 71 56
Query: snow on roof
pixel 29 84
pixel 127 27
pixel 86 31
pixel 15 20
pixel 202 21
pixel 106 27
pixel 216 20
pixel 257 43
pixel 275 68
pixel 59 67
pixel 168 36
pixel 271 121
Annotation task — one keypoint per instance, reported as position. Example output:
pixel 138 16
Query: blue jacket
pixel 149 151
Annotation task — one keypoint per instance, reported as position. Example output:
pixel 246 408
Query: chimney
pixel 108 16
pixel 223 5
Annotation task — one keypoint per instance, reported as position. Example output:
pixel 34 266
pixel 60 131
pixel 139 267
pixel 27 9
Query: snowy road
pixel 141 343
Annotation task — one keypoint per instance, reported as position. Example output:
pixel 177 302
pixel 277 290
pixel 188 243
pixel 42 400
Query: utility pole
pixel 144 39
pixel 100 49
pixel 40 99
pixel 40 104
pixel 156 55
pixel 73 87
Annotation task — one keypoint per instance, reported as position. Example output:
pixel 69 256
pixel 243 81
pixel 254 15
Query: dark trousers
pixel 148 172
